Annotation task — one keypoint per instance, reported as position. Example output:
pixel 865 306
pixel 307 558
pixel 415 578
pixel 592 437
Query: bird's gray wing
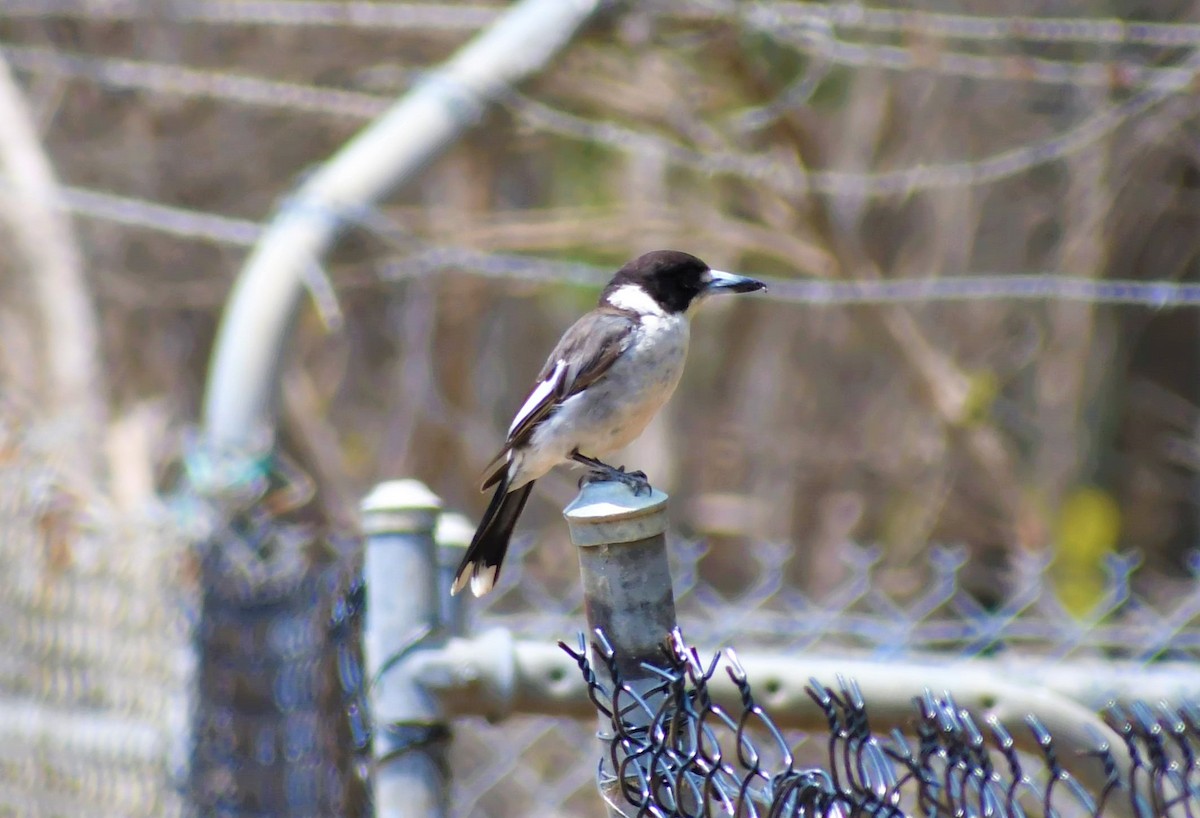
pixel 582 356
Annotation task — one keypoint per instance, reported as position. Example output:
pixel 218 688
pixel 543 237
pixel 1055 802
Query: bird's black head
pixel 674 280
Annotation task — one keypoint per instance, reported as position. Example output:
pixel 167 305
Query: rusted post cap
pixel 400 507
pixel 609 512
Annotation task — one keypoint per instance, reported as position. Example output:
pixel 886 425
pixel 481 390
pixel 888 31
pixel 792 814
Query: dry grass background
pixel 997 424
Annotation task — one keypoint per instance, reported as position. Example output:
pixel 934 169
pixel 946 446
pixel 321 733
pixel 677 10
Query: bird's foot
pixel 599 471
pixel 635 481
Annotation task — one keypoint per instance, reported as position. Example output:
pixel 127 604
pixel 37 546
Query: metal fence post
pixel 453 535
pixel 626 590
pixel 403 611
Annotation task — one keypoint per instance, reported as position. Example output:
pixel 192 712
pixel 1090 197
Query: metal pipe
pixel 495 675
pixel 244 373
pixel 403 612
pixel 49 268
pixel 627 599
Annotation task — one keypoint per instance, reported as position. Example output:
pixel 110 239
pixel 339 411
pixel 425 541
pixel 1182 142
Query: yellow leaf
pixel 1089 523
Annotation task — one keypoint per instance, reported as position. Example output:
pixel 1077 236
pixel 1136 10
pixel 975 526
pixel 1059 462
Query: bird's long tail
pixel 481 564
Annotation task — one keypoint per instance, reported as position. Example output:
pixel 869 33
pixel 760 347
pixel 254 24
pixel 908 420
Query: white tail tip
pixel 482 579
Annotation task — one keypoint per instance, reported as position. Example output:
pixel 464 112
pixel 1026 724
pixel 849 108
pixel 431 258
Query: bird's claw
pixel 635 481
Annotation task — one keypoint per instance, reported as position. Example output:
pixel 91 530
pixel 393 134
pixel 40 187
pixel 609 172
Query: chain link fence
pixel 275 728
pixel 96 675
pixel 674 751
pixel 1131 658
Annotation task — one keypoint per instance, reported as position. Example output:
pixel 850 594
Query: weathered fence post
pixel 626 590
pixel 453 536
pixel 403 610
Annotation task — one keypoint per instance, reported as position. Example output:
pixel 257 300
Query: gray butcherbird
pixel 608 376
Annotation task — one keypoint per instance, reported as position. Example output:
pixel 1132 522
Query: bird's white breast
pixel 614 410
pixel 651 371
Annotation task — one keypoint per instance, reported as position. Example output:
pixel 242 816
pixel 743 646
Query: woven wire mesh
pixel 278 724
pixel 95 663
pixel 674 751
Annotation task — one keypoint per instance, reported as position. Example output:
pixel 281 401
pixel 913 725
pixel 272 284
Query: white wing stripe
pixel 539 394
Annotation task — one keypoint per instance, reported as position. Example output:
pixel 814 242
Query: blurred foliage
pixel 1089 525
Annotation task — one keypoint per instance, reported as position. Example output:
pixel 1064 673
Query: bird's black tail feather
pixel 481 565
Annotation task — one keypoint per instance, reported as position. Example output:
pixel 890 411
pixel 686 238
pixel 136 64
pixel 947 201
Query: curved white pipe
pixel 244 372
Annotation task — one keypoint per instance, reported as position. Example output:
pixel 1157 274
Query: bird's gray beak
pixel 722 282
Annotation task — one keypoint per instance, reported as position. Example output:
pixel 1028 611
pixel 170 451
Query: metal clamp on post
pixel 403 612
pixel 626 591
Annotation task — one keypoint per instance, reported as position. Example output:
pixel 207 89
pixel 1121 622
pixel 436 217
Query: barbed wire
pixel 170 78
pixel 675 751
pixel 793 180
pixel 1111 75
pixel 972 287
pixel 428 16
pixel 423 258
pixel 1156 84
pixel 768 170
pixel 967 26
pixel 471 17
pixel 181 222
pixel 177 80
